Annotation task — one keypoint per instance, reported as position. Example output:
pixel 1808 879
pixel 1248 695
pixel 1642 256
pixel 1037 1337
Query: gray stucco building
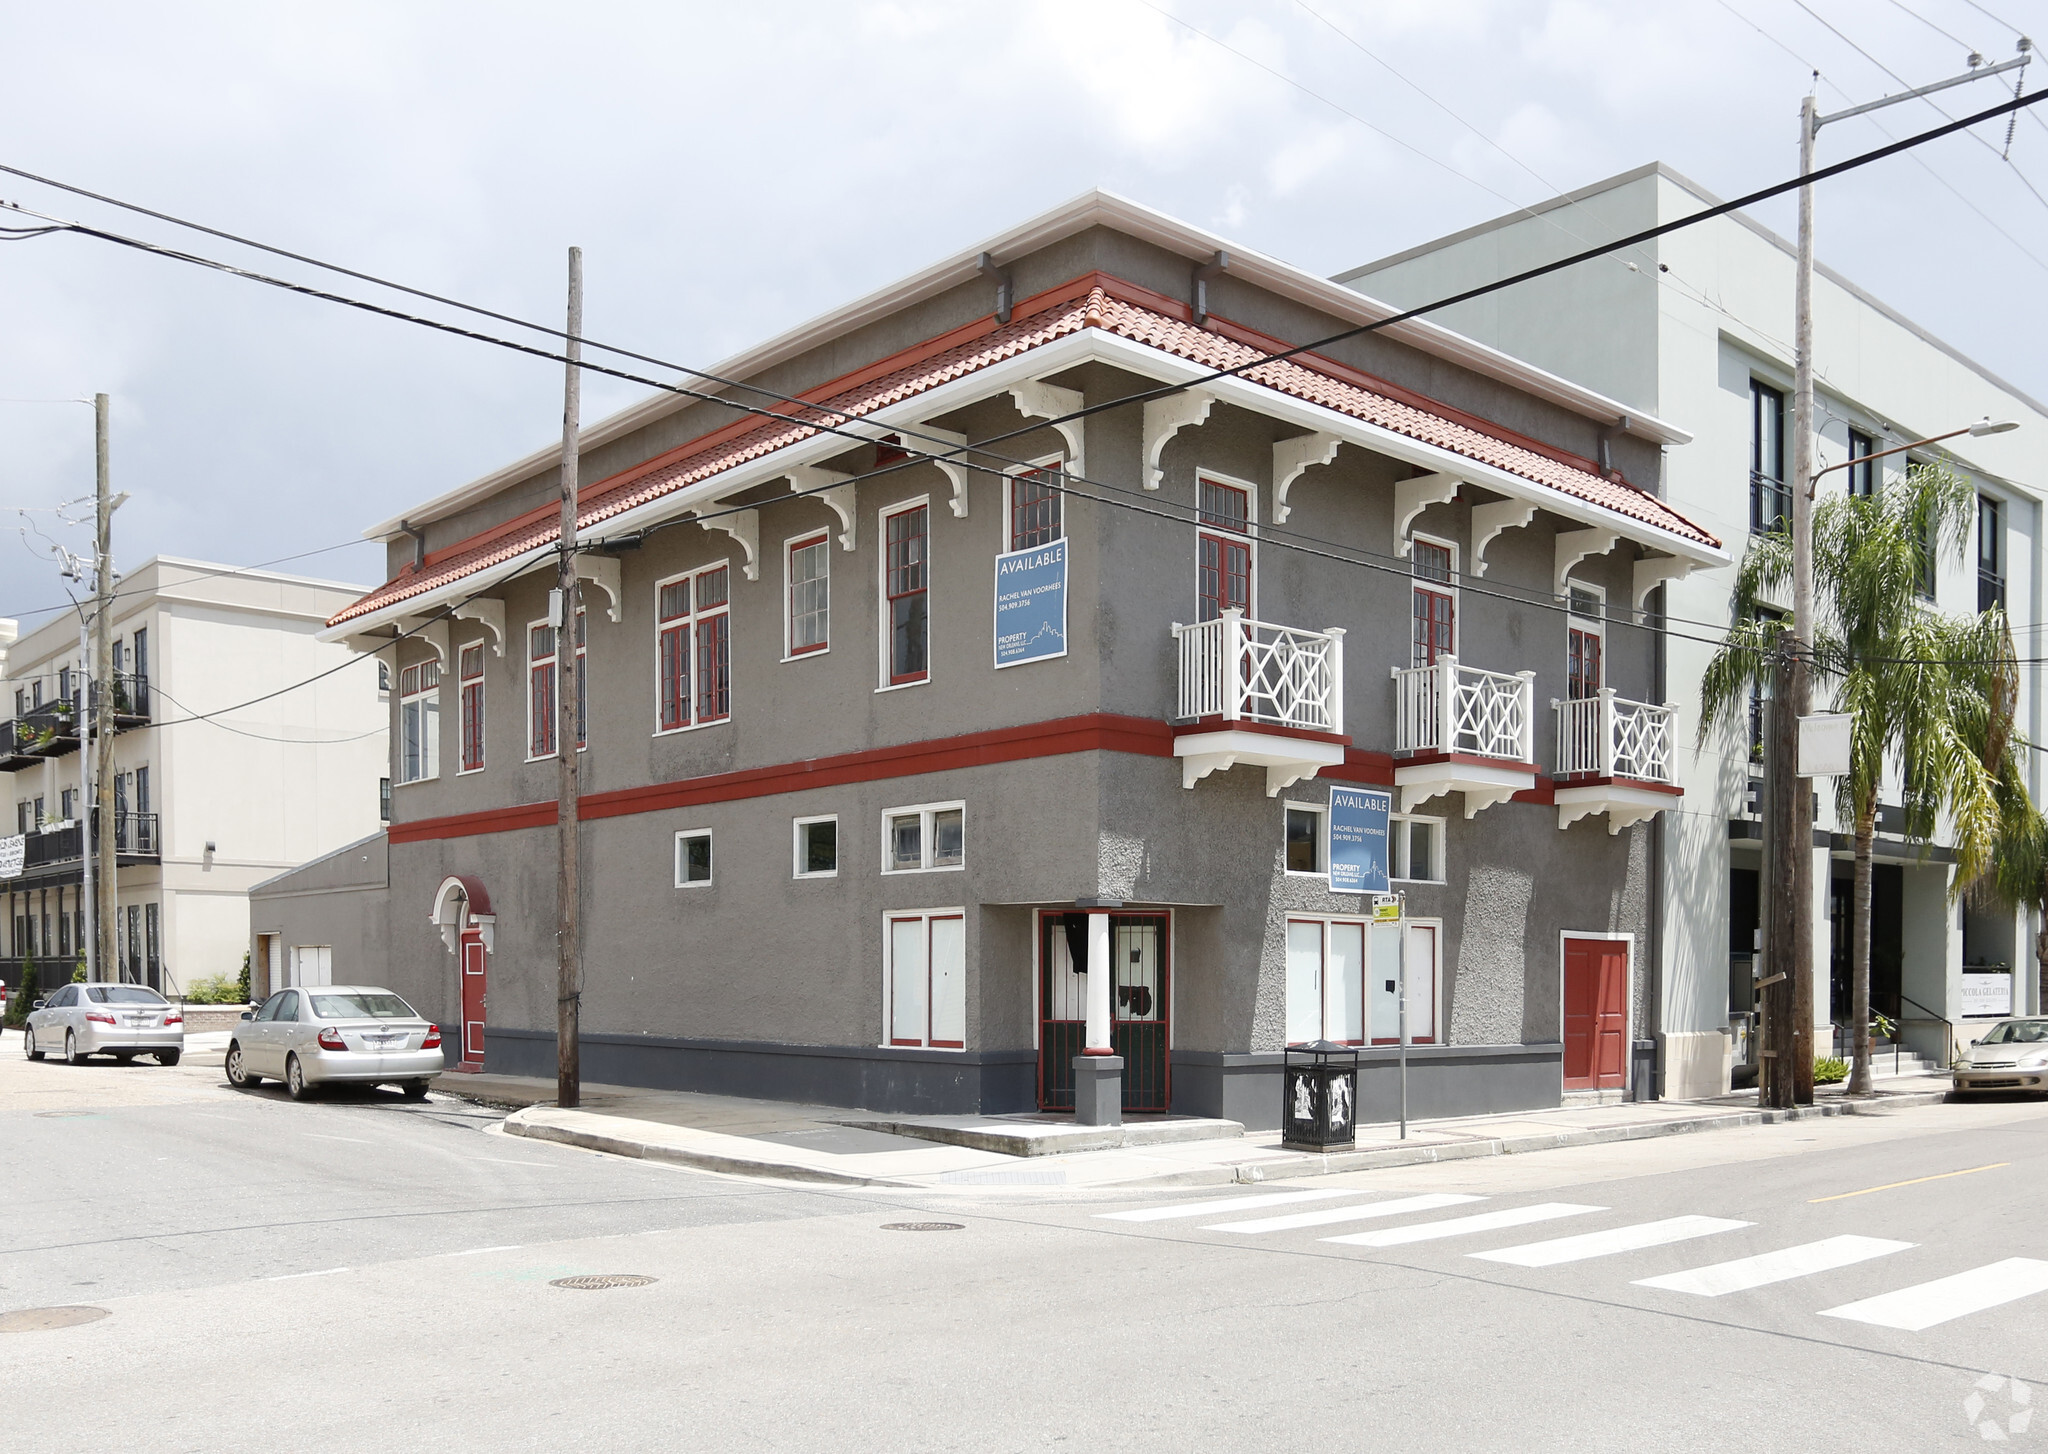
pixel 851 836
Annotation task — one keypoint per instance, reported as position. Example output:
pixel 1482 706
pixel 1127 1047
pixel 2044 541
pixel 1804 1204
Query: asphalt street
pixel 359 1273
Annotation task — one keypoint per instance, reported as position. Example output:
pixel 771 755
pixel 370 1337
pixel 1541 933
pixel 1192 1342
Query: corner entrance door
pixel 1595 1014
pixel 473 999
pixel 1138 1028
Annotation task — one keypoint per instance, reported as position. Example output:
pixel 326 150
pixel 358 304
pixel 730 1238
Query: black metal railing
pixel 1990 590
pixel 1770 504
pixel 136 835
pixel 50 728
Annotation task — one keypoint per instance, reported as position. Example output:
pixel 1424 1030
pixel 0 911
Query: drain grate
pixel 924 1226
pixel 603 1279
pixel 42 1320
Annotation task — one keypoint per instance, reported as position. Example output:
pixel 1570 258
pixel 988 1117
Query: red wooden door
pixel 473 999
pixel 1595 1014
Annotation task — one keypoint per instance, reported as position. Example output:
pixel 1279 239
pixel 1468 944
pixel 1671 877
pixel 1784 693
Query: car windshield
pixel 2017 1032
pixel 362 1005
pixel 122 994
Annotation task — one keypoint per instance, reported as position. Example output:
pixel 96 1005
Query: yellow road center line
pixel 1892 1185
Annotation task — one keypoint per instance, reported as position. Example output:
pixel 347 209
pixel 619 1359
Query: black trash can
pixel 1319 1097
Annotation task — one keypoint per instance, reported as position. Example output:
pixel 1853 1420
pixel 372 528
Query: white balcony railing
pixel 1242 670
pixel 1612 737
pixel 1453 708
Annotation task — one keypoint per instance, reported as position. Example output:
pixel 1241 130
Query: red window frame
pixel 1436 609
pixel 1037 509
pixel 790 584
pixel 470 668
pixel 1223 549
pixel 906 590
pixel 1582 663
pixel 672 649
pixel 927 920
pixel 693 685
pixel 540 699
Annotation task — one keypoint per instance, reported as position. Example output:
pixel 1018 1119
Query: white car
pixel 2013 1055
pixel 316 1034
pixel 121 1020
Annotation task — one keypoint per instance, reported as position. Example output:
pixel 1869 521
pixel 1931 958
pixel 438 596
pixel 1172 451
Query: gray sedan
pixel 2012 1055
pixel 317 1034
pixel 121 1020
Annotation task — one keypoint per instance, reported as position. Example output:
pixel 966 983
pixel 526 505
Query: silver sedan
pixel 317 1034
pixel 2012 1055
pixel 121 1020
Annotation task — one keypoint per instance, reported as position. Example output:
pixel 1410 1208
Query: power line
pixel 1945 34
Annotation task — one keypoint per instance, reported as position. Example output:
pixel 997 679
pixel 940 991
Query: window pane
pixel 1421 982
pixel 1347 982
pixel 1422 850
pixel 820 852
pixel 907 1018
pixel 693 858
pixel 1034 510
pixel 946 838
pixel 675 677
pixel 949 981
pixel 541 643
pixel 906 841
pixel 1304 982
pixel 711 588
pixel 907 637
pixel 1303 833
pixel 1431 562
pixel 675 600
pixel 714 667
pixel 1224 507
pixel 1385 969
pixel 809 595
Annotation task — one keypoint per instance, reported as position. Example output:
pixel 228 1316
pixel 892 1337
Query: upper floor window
pixel 1035 509
pixel 470 671
pixel 1930 553
pixel 1990 553
pixel 1432 563
pixel 921 838
pixel 1585 640
pixel 1223 570
pixel 1770 501
pixel 1863 470
pixel 809 568
pixel 694 650
pixel 419 722
pixel 906 590
pixel 541 710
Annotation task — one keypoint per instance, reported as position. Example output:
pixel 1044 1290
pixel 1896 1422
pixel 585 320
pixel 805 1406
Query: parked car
pixel 121 1020
pixel 317 1034
pixel 2013 1055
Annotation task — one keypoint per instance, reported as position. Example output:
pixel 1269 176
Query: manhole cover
pixel 924 1226
pixel 42 1320
pixel 603 1279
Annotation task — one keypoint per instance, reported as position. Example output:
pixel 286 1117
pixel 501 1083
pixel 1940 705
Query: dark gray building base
pixel 1443 1081
pixel 911 1082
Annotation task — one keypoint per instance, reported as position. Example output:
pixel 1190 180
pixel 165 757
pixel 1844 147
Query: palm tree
pixel 1930 695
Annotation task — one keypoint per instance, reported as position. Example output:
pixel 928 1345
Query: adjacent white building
pixel 228 768
pixel 1696 328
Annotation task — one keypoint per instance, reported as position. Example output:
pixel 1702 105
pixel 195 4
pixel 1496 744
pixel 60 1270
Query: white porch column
pixel 1099 974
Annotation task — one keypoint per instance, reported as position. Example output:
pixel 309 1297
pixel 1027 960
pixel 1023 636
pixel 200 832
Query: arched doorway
pixel 462 912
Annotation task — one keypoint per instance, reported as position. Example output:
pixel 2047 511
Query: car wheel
pixel 239 1074
pixel 413 1090
pixel 72 1054
pixel 28 1044
pixel 168 1057
pixel 295 1082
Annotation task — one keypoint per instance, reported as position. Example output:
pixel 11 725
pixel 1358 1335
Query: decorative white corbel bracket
pixel 1574 546
pixel 1489 520
pixel 918 438
pixel 830 488
pixel 745 527
pixel 1654 571
pixel 604 571
pixel 1197 766
pixel 1165 418
pixel 492 613
pixel 1412 497
pixel 1293 456
pixel 1040 400
pixel 432 633
pixel 371 645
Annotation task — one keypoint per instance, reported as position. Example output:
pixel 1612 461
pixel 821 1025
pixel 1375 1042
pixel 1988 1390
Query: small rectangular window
pixel 817 847
pixel 1862 468
pixel 932 836
pixel 906 590
pixel 810 595
pixel 693 857
pixel 1415 846
pixel 1304 840
pixel 470 671
pixel 1035 514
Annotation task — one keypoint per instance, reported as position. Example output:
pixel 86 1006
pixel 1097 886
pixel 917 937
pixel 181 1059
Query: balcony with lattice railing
pixel 1258 694
pixel 1614 756
pixel 1460 729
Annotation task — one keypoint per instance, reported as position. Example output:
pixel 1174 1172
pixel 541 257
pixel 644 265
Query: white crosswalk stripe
pixel 1783 1265
pixel 1324 1216
pixel 1947 1298
pixel 1230 1204
pixel 1462 1226
pixel 1606 1244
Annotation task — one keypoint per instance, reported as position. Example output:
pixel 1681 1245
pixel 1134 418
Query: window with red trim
pixel 470 668
pixel 1223 550
pixel 693 650
pixel 810 595
pixel 540 693
pixel 1035 510
pixel 927 980
pixel 1436 608
pixel 906 590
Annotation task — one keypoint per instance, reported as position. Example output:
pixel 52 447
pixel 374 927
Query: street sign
pixel 1824 740
pixel 1386 908
pixel 1358 840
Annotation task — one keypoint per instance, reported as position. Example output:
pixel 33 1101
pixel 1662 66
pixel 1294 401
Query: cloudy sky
pixel 731 170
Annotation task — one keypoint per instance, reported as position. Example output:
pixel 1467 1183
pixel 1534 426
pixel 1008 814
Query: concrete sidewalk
pixel 831 1144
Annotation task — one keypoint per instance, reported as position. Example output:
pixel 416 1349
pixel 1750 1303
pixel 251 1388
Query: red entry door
pixel 473 999
pixel 1595 1014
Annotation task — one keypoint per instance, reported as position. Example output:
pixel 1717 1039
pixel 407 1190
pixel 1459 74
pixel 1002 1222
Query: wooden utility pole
pixel 1779 1034
pixel 107 886
pixel 568 929
pixel 1796 863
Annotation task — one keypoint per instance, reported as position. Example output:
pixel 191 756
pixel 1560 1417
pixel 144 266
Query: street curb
pixel 533 1130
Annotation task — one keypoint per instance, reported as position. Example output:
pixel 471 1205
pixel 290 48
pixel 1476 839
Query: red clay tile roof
pixel 1099 308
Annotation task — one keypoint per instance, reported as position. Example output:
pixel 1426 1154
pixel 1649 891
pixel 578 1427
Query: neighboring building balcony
pixel 1615 757
pixel 1261 695
pixel 1460 729
pixel 52 851
pixel 40 729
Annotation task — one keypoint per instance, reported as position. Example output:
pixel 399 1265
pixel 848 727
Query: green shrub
pixel 78 973
pixel 1829 1071
pixel 216 989
pixel 18 1005
pixel 242 984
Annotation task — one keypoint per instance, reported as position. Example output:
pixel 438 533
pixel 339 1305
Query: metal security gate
pixel 1138 1029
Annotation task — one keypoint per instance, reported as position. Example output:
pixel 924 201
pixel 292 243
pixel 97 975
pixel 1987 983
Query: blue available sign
pixel 1358 840
pixel 1031 604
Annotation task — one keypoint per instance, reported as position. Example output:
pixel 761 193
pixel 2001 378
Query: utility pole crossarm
pixel 1977 74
